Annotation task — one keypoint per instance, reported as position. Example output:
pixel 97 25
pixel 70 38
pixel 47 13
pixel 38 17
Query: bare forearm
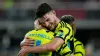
pixel 52 46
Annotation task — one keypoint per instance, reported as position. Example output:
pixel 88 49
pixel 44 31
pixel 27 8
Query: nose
pixel 46 23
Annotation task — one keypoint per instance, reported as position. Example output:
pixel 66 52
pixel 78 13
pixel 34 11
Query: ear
pixel 54 12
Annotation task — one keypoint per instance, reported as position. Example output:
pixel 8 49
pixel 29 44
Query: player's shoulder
pixel 37 31
pixel 29 32
pixel 63 24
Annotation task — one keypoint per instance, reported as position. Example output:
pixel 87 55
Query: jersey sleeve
pixel 62 33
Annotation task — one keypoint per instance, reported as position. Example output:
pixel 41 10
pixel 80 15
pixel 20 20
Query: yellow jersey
pixel 79 49
pixel 63 31
pixel 41 37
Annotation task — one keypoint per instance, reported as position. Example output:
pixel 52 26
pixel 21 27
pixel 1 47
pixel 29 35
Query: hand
pixel 27 42
pixel 24 50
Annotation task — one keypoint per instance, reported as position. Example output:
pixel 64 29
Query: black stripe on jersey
pixel 64 46
pixel 68 40
pixel 78 45
pixel 65 37
pixel 53 53
pixel 67 33
pixel 79 53
pixel 71 36
pixel 72 45
pixel 66 53
pixel 63 24
pixel 55 34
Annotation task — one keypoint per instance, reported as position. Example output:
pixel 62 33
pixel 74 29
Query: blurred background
pixel 16 19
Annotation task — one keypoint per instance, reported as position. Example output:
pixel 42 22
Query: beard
pixel 52 26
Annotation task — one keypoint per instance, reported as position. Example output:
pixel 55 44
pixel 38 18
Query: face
pixel 48 20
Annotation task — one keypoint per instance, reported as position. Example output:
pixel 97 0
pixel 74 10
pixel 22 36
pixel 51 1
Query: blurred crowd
pixel 23 9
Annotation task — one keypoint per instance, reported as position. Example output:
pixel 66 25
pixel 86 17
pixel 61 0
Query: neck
pixel 57 21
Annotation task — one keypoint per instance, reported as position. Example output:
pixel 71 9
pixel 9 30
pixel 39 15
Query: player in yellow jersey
pixel 46 16
pixel 41 37
pixel 78 46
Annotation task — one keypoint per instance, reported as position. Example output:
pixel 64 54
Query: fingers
pixel 31 45
pixel 32 42
pixel 29 42
pixel 22 52
pixel 26 42
pixel 29 39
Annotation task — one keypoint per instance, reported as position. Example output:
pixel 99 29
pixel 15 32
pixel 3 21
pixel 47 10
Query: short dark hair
pixel 42 10
pixel 67 18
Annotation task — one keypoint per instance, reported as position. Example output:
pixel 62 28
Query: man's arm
pixel 49 47
pixel 56 42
